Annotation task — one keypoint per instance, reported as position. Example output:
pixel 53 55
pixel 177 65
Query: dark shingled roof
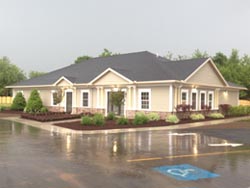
pixel 139 66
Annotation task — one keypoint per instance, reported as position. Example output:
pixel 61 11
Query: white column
pixel 98 97
pixel 170 98
pixel 134 98
pixel 129 98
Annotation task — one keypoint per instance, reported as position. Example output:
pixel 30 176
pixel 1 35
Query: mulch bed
pixel 111 124
pixel 50 116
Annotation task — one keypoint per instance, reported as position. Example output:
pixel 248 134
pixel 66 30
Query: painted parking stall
pixel 185 172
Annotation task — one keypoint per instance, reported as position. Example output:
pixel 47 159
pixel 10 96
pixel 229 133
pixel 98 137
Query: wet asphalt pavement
pixel 34 158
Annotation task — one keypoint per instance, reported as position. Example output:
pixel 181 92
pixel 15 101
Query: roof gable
pixel 207 74
pixel 110 77
pixel 63 81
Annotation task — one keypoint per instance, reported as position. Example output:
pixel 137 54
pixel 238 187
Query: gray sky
pixel 45 35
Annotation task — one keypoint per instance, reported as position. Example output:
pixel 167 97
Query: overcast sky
pixel 45 35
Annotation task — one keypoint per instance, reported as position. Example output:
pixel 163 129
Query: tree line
pixel 234 68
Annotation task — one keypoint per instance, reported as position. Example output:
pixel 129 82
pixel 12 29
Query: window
pixel 194 101
pixel 145 95
pixel 210 99
pixel 85 98
pixel 202 100
pixel 184 96
pixel 54 97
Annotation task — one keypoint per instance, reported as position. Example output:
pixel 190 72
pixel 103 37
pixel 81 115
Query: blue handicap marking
pixel 185 172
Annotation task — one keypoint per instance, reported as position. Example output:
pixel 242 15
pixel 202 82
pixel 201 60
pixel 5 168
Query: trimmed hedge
pixel 86 120
pixel 197 117
pixel 172 119
pixel 140 118
pixel 153 116
pixel 239 110
pixel 34 104
pixel 122 121
pixel 216 115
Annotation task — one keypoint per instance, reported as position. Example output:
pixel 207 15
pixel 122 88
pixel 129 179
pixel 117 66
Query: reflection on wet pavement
pixel 31 157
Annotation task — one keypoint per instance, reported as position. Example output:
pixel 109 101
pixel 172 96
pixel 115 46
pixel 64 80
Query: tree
pixel 198 54
pixel 9 74
pixel 107 53
pixel 34 74
pixel 220 59
pixel 117 99
pixel 19 102
pixel 34 104
pixel 82 58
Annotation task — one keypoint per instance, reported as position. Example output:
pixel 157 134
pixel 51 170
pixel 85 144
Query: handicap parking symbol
pixel 185 172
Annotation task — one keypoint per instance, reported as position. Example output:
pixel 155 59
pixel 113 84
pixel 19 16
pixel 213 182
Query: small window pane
pixel 144 100
pixel 85 99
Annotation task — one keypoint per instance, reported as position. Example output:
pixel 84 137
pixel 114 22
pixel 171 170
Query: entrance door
pixel 69 101
pixel 117 110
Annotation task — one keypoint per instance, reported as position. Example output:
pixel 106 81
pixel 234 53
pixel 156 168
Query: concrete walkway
pixel 49 126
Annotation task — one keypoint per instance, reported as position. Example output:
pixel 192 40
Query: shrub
pixel 2 108
pixel 239 110
pixel 172 119
pixel 34 103
pixel 110 116
pixel 44 109
pixel 19 102
pixel 216 115
pixel 122 121
pixel 140 118
pixel 153 116
pixel 224 108
pixel 98 119
pixel 86 120
pixel 197 116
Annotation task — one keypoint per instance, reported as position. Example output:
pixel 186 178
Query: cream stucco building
pixel 150 83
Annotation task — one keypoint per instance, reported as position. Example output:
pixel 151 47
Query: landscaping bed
pixel 50 116
pixel 111 124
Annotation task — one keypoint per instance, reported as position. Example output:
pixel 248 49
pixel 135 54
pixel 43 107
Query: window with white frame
pixel 85 98
pixel 211 99
pixel 202 99
pixel 184 96
pixel 54 96
pixel 194 100
pixel 144 99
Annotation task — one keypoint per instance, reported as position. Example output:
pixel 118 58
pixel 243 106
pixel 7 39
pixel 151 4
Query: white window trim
pixel 187 92
pixel 140 91
pixel 211 92
pixel 196 100
pixel 205 98
pixel 85 91
pixel 52 98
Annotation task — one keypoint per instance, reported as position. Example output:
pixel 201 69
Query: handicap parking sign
pixel 185 172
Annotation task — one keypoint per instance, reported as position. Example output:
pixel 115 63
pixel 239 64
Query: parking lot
pixel 205 157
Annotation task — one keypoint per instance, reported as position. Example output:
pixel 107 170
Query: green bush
pixel 111 116
pixel 140 118
pixel 122 121
pixel 44 109
pixel 153 116
pixel 216 115
pixel 86 120
pixel 239 110
pixel 2 108
pixel 34 103
pixel 197 116
pixel 19 102
pixel 172 119
pixel 98 119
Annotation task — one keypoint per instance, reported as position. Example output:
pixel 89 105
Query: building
pixel 149 83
